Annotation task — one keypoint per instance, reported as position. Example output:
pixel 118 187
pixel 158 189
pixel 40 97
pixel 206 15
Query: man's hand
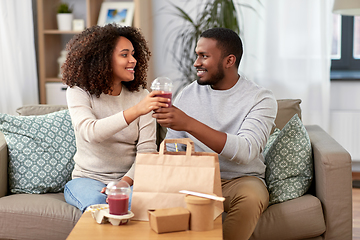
pixel 177 120
pixel 173 118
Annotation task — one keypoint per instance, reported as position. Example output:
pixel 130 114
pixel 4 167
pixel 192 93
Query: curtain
pixel 287 48
pixel 18 73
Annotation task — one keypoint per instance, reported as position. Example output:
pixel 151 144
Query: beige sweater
pixel 106 144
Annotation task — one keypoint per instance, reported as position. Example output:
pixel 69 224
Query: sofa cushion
pixel 288 159
pixel 41 150
pixel 300 218
pixel 39 109
pixel 37 216
pixel 287 108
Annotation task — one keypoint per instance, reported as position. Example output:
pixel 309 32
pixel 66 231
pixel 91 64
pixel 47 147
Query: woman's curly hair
pixel 88 62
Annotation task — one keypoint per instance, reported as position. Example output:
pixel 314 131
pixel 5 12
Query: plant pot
pixel 64 21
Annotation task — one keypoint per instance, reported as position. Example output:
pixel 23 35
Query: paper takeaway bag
pixel 160 176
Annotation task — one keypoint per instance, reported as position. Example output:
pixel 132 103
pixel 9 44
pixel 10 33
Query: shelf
pixel 52 41
pixel 53 79
pixel 54 31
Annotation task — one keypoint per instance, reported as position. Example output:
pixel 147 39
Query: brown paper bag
pixel 160 176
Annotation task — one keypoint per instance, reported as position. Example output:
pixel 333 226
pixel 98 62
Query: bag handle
pixel 190 149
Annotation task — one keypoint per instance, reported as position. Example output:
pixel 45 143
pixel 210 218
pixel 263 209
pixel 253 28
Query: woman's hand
pixel 152 102
pixel 128 180
pixel 125 178
pixel 149 103
pixel 103 191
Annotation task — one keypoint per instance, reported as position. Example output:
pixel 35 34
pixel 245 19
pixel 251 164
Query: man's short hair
pixel 228 42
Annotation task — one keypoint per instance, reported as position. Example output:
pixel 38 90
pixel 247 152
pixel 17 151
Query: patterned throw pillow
pixel 288 159
pixel 271 140
pixel 41 150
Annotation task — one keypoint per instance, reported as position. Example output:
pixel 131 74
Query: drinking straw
pixel 203 195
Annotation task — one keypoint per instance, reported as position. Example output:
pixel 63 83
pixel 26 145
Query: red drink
pixel 118 204
pixel 166 95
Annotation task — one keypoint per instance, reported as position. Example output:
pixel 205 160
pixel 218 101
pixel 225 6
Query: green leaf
pixel 64 8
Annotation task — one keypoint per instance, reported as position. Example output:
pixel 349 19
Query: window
pixel 357 38
pixel 336 41
pixel 346 43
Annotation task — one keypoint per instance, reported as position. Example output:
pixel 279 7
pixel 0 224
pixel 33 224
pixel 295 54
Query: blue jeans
pixel 83 192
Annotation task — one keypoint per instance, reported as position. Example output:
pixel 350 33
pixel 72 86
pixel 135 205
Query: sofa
pixel 323 212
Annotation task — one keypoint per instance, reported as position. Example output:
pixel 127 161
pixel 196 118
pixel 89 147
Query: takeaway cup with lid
pixel 163 84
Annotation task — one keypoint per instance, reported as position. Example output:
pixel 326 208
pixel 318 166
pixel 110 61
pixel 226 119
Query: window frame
pixel 347 61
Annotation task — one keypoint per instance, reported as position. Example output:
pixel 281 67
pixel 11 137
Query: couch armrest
pixel 3 166
pixel 333 183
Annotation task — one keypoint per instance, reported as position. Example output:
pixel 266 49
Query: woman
pixel 110 109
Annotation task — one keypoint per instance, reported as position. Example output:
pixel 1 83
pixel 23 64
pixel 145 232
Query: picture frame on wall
pixel 121 13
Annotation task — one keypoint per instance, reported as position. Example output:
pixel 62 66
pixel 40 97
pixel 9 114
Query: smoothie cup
pixel 118 198
pixel 163 84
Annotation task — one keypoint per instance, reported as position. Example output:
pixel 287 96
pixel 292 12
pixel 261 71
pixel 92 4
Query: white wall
pixel 344 96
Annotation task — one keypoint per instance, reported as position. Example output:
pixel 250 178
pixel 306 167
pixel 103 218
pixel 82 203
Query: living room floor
pixel 356 213
pixel 356 208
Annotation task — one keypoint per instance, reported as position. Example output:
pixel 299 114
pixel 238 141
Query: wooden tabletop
pixel 87 228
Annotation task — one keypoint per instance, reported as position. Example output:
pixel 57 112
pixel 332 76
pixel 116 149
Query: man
pixel 232 116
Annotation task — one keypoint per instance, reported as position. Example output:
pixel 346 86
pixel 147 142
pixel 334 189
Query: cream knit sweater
pixel 106 144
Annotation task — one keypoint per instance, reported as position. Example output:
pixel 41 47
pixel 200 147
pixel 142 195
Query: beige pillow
pixel 39 109
pixel 287 108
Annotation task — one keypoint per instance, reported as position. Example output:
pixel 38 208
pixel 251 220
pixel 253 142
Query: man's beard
pixel 214 79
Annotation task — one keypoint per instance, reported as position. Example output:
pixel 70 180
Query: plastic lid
pixel 162 84
pixel 120 188
pixel 197 200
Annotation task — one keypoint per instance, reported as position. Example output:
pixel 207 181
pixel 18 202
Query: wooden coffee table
pixel 87 228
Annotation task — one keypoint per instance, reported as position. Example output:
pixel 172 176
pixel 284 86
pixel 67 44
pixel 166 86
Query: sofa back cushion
pixel 39 109
pixel 287 108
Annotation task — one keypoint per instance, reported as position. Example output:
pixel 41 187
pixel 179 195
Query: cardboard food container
pixel 169 219
pixel 202 212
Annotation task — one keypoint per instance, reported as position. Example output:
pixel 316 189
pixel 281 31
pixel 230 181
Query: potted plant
pixel 210 13
pixel 64 17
